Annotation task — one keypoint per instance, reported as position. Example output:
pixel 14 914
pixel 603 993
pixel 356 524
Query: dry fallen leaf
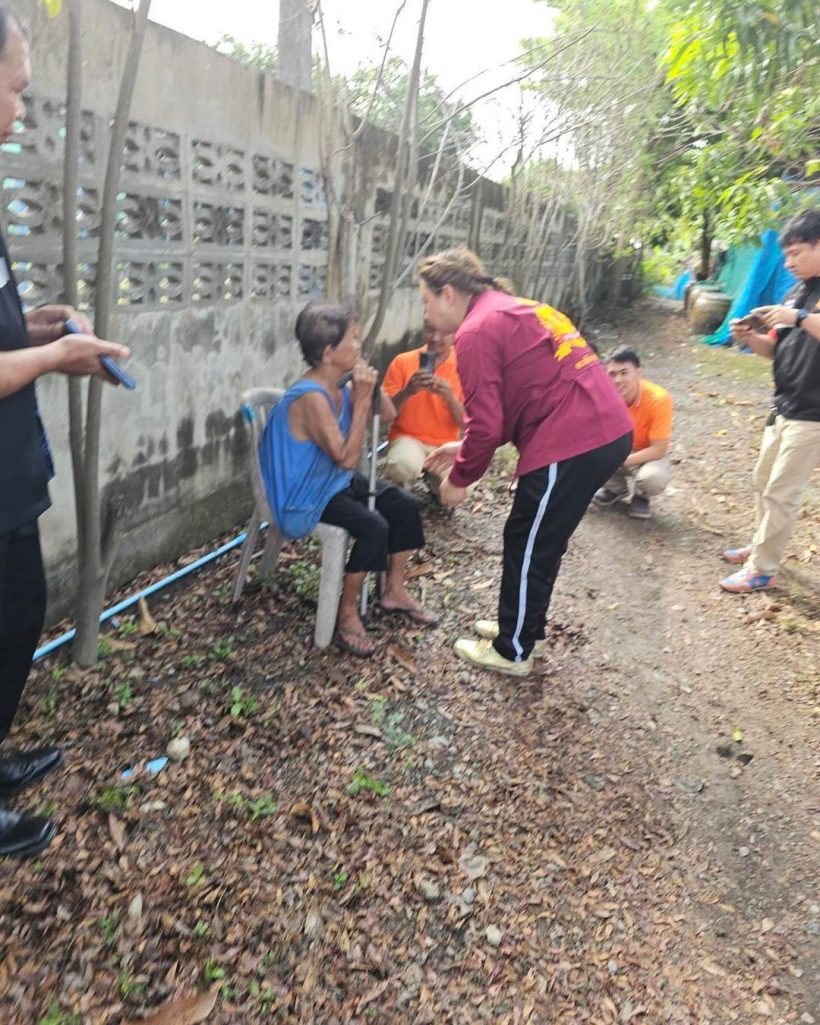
pixel 147 624
pixel 301 810
pixel 420 570
pixel 402 658
pixel 182 1010
pixel 117 830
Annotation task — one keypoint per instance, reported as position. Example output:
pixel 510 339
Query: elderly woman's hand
pixel 364 381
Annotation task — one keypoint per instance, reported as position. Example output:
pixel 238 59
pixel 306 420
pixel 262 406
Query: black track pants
pixel 393 526
pixel 549 504
pixel 22 610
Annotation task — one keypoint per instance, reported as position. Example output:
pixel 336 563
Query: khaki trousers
pixel 646 480
pixel 405 460
pixel 789 452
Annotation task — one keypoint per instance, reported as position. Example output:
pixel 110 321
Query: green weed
pixel 361 781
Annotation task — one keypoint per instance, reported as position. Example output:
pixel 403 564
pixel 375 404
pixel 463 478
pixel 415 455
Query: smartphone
pixel 110 364
pixel 754 322
pixel 428 362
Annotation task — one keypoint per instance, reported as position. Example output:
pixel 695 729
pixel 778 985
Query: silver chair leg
pixel 246 555
pixel 334 555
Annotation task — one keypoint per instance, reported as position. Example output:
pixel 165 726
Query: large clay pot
pixel 696 288
pixel 708 310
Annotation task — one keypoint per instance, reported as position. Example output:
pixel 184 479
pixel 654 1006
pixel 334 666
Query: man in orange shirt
pixel 426 391
pixel 646 470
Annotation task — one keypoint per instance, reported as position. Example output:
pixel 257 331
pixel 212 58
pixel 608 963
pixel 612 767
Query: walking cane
pixel 371 484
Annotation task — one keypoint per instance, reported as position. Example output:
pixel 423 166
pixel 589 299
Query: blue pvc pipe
pixel 58 642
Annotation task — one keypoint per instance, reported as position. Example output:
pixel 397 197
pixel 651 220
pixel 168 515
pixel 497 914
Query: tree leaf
pixel 182 1010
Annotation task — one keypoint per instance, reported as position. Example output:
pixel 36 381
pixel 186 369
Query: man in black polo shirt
pixel 30 346
pixel 791 441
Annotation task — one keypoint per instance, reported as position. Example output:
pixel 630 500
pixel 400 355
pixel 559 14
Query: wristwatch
pixel 801 316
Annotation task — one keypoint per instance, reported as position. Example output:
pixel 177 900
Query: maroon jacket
pixel 530 378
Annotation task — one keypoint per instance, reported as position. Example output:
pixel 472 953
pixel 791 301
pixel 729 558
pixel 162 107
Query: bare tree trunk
pixel 71 168
pixel 406 160
pixel 293 52
pixel 705 244
pixel 101 532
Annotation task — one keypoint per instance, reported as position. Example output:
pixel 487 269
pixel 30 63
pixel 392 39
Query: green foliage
pixel 196 876
pixel 361 781
pixel 211 971
pixel 257 55
pixel 118 798
pixel 54 1016
pixel 109 926
pixel 242 706
pixel 380 97
pixel 222 649
pixel 124 694
pixel 128 986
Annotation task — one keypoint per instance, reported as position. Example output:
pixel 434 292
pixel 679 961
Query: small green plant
pixel 242 706
pixel 127 629
pixel 361 781
pixel 166 631
pixel 104 648
pixel 200 930
pixel 222 595
pixel 54 1016
pixel 221 650
pixel 263 992
pixel 235 800
pixel 47 809
pixel 340 879
pixel 390 725
pixel 211 972
pixel 114 798
pixel 305 572
pixel 109 926
pixel 378 709
pixel 124 694
pixel 129 987
pixel 196 875
pixel 261 807
pixel 191 661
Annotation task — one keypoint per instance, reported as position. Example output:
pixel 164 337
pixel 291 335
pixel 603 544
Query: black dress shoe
pixel 22 835
pixel 20 769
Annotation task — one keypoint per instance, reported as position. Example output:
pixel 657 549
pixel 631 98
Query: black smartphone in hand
pixel 110 364
pixel 427 362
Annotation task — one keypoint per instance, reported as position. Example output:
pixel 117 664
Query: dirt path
pixel 407 841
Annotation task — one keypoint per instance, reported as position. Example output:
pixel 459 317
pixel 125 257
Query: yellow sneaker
pixel 489 628
pixel 483 654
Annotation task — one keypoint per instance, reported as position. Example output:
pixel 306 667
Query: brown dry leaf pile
pixel 402 840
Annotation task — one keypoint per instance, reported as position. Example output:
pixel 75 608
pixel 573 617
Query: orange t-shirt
pixel 651 416
pixel 425 415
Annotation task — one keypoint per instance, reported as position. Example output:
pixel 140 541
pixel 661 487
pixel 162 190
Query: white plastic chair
pixel 256 405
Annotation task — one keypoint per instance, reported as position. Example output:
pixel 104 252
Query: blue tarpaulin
pixel 765 283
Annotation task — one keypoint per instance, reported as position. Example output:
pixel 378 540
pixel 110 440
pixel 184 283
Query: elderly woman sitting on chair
pixel 308 454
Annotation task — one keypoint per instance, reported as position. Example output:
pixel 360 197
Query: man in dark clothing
pixel 30 345
pixel 790 449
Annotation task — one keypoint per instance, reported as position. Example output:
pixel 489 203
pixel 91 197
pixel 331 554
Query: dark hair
pixel 462 269
pixel 805 227
pixel 321 324
pixel 624 355
pixel 8 20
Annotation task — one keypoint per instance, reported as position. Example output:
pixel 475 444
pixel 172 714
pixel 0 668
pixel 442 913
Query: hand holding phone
pixel 427 362
pixel 753 322
pixel 110 365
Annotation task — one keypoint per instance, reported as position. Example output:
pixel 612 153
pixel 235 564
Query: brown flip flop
pixel 345 639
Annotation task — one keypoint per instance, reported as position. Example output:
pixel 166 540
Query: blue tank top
pixel 299 478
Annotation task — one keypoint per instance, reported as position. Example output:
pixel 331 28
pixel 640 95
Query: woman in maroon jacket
pixel 529 378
